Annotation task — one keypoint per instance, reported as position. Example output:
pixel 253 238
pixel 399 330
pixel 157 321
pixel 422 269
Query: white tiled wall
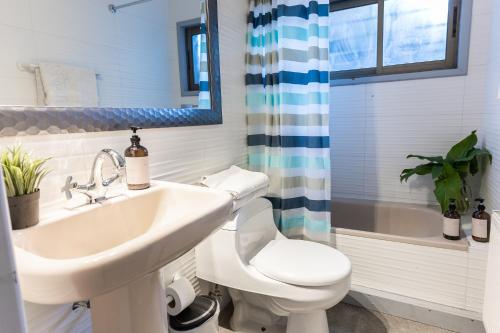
pixel 492 118
pixel 177 154
pixel 440 276
pixel 374 126
pixel 134 50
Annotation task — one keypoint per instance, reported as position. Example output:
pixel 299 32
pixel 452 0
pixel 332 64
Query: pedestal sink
pixel 111 253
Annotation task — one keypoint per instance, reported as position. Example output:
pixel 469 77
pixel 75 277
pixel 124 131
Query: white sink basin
pixel 94 251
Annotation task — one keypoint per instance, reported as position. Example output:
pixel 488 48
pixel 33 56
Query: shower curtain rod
pixel 113 9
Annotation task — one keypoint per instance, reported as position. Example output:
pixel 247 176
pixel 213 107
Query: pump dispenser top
pixel 137 159
pixel 135 138
pixel 480 207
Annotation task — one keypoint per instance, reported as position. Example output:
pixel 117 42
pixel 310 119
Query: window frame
pixel 184 46
pixel 189 32
pixel 457 49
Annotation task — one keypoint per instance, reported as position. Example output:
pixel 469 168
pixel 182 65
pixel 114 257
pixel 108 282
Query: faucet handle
pixel 119 175
pixel 66 189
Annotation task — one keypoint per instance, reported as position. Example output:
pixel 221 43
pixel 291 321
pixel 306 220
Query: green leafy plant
pixel 22 174
pixel 450 173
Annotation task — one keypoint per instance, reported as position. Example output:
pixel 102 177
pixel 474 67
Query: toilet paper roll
pixel 180 294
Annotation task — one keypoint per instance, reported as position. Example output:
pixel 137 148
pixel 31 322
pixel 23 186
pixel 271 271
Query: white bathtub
pixel 398 249
pixel 405 223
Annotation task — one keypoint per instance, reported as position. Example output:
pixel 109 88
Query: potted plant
pixel 22 176
pixel 450 173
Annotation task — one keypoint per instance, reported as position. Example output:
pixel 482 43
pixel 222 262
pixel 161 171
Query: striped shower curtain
pixel 287 110
pixel 204 94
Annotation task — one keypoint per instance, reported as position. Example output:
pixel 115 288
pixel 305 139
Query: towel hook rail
pixel 32 67
pixel 113 8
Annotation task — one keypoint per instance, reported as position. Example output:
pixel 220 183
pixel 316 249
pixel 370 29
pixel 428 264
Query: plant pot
pixel 24 210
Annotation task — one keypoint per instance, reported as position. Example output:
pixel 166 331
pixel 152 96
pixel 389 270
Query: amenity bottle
pixel 481 223
pixel 137 163
pixel 451 222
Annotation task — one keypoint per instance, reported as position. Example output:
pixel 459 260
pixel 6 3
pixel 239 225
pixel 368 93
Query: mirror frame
pixel 34 120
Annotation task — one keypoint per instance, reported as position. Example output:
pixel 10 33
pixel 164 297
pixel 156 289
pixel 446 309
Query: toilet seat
pixel 301 263
pixel 270 276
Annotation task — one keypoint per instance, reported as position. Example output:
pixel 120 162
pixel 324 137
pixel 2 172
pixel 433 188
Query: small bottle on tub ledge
pixel 451 222
pixel 481 223
pixel 137 163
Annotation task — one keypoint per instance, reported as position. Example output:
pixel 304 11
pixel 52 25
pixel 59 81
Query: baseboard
pixel 446 317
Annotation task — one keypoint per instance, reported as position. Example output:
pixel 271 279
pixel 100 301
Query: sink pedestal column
pixel 135 308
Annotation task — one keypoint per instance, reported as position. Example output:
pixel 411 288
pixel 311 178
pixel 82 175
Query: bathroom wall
pixel 492 116
pixel 134 50
pixel 177 154
pixel 374 126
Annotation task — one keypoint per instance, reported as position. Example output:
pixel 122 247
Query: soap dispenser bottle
pixel 481 223
pixel 137 163
pixel 451 222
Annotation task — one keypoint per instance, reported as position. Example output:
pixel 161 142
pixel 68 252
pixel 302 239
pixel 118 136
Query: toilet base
pixel 250 314
pixel 313 322
pixel 255 313
pixel 297 323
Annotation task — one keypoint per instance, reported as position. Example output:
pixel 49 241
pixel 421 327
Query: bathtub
pixel 398 250
pixel 405 223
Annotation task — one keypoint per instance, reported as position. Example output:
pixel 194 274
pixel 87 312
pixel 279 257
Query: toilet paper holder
pixel 179 294
pixel 170 301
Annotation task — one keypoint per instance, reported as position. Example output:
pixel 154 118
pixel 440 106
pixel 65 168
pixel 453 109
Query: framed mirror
pixel 90 66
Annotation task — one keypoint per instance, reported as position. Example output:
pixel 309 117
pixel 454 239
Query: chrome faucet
pixel 96 188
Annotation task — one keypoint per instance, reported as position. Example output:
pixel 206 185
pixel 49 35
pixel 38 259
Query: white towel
pixel 238 182
pixel 68 86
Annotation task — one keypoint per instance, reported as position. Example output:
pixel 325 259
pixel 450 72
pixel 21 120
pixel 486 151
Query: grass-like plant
pixel 450 173
pixel 22 174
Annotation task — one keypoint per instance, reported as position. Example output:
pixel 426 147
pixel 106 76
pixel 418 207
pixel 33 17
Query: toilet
pixel 273 281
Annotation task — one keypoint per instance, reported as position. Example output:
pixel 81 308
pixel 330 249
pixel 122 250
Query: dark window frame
pixel 189 32
pixel 184 46
pixel 457 49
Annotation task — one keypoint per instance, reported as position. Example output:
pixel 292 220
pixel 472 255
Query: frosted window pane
pixel 353 38
pixel 414 31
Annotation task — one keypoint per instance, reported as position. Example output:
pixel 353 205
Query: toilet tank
pixel 255 228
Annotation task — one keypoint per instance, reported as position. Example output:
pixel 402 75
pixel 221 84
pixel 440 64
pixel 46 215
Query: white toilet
pixel 270 276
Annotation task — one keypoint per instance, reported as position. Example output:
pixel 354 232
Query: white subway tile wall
pixel 441 276
pixel 374 126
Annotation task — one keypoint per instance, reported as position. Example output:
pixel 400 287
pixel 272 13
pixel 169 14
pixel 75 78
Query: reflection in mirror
pixel 88 54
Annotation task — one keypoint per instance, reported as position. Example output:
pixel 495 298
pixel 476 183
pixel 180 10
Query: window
pixel 193 42
pixel 189 43
pixel 385 40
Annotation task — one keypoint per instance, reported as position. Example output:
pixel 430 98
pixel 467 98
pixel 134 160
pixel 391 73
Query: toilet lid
pixel 301 263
